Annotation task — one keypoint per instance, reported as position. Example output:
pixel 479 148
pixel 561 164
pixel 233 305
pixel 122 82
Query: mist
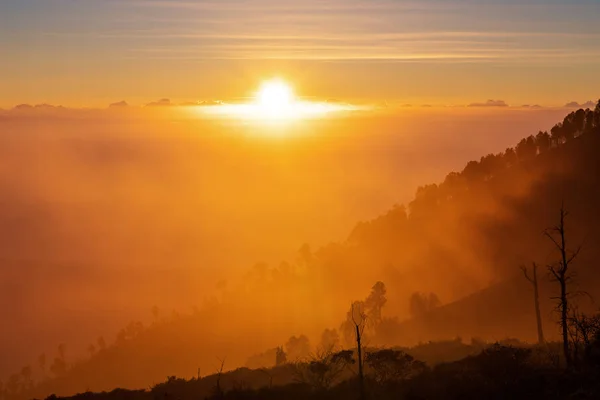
pixel 106 214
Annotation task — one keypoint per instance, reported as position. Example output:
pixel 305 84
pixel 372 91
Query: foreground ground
pixel 497 372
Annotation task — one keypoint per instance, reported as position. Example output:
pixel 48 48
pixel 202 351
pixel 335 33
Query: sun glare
pixel 275 97
pixel 275 101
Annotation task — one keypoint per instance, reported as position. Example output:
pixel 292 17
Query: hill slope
pixel 463 239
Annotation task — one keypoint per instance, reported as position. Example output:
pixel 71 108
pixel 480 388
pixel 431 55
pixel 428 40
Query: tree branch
pixel 574 255
pixel 548 234
pixel 524 269
pixel 553 271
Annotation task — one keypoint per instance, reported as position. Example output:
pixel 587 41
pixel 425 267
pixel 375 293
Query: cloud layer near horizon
pixel 124 106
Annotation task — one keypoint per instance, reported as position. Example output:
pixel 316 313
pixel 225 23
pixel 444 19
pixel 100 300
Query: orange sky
pixel 443 52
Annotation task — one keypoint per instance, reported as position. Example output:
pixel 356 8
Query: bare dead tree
pixel 562 274
pixel 534 282
pixel 218 389
pixel 359 325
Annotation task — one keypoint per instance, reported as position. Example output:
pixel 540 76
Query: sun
pixel 276 104
pixel 275 98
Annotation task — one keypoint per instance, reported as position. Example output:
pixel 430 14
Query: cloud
pixel 47 106
pixel 49 111
pixel 574 104
pixel 118 104
pixel 339 30
pixel 23 107
pixel 160 103
pixel 203 103
pixel 533 107
pixel 490 103
pixel 39 109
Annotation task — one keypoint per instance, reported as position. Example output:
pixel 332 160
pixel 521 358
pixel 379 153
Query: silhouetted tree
pixel 578 121
pixel 589 125
pixel 557 134
pixel 13 384
pixel 393 365
pixel 58 367
pixel 587 328
pixel 27 374
pixel 597 118
pixel 330 340
pixel 280 356
pixel 560 272
pixel 375 302
pixel 526 148
pixel 421 303
pixel 534 282
pixel 218 390
pixel 305 255
pixel 359 319
pixel 489 165
pixel 455 182
pixel 62 351
pixel 322 371
pixel 543 141
pixel 101 343
pixel 347 327
pixel 510 157
pixel 298 347
pixel 473 172
pixel 426 200
pixel 267 359
pixel 568 129
pixel 42 362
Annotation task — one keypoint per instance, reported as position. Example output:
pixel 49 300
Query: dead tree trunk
pixel 560 273
pixel 564 315
pixel 219 391
pixel 536 297
pixel 360 363
pixel 359 326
